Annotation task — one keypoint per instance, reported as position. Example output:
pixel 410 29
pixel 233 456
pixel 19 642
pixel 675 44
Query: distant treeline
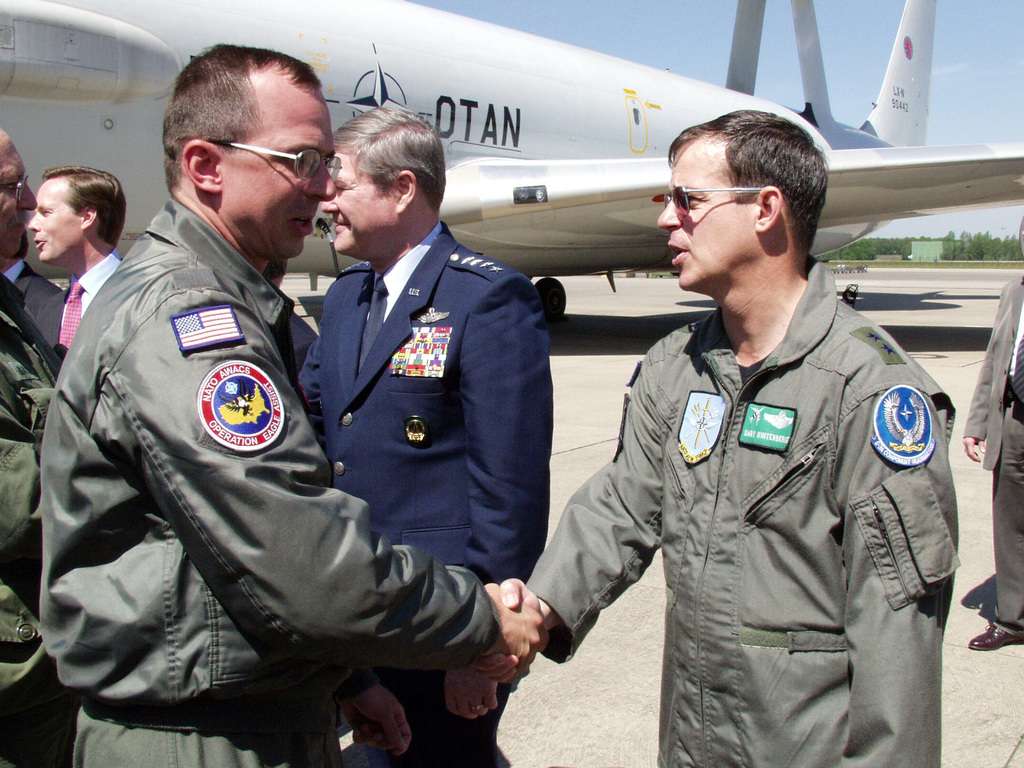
pixel 966 247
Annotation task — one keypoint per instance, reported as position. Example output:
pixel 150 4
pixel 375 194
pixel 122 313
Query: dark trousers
pixel 1008 520
pixel 439 738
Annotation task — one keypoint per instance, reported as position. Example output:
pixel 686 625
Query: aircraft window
pixel 529 195
pixel 636 116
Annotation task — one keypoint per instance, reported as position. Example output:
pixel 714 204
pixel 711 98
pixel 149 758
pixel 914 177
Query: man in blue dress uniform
pixel 430 387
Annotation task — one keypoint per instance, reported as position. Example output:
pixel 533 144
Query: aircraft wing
pixel 903 182
pixel 586 216
pixel 560 216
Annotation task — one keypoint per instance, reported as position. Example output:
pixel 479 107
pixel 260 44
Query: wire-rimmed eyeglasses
pixel 680 196
pixel 18 187
pixel 306 163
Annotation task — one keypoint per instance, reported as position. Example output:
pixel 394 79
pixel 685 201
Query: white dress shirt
pixel 397 277
pixel 94 279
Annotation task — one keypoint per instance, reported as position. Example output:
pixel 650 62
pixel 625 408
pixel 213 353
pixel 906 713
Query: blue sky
pixel 977 81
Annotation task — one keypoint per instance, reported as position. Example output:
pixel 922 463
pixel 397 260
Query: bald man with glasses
pixel 37 714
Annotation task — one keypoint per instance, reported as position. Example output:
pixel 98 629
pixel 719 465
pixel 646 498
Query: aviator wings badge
pixel 432 316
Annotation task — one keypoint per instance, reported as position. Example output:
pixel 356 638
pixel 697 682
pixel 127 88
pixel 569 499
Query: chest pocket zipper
pixel 797 470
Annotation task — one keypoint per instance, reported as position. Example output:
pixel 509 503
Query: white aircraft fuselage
pixel 555 153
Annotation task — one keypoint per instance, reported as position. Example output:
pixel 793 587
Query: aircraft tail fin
pixel 746 46
pixel 817 109
pixel 900 116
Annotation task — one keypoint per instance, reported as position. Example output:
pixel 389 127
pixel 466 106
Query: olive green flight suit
pixel 808 577
pixel 36 712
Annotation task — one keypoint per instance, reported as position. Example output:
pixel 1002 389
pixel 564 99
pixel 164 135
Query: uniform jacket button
pixel 346 420
pixel 339 468
pixel 27 632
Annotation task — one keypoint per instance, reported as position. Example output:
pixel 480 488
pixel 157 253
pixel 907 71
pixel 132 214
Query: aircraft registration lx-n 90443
pixel 556 155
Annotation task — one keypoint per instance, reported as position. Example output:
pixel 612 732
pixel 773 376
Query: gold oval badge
pixel 416 431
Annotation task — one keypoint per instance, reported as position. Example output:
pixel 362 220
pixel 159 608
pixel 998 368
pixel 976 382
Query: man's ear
pixel 771 209
pixel 404 188
pixel 201 165
pixel 88 217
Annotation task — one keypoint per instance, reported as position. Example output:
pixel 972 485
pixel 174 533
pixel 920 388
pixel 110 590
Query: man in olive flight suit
pixel 37 714
pixel 791 463
pixel 205 589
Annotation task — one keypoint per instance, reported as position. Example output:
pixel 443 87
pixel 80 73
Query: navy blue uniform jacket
pixel 475 490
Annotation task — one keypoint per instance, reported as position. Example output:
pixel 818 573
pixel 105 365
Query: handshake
pixel 378 719
pixel 525 620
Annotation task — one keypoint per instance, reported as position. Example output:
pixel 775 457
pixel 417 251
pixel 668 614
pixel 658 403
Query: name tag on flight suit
pixel 768 427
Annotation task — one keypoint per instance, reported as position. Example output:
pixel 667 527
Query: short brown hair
pixel 214 99
pixel 763 149
pixel 99 190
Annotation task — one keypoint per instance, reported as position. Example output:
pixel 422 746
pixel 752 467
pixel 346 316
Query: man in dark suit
pixel 79 218
pixel 994 434
pixel 36 289
pixel 303 334
pixel 442 418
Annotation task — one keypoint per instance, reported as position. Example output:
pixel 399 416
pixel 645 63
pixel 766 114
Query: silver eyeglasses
pixel 680 196
pixel 17 186
pixel 306 163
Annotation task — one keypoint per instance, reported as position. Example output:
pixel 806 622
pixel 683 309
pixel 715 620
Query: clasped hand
pixel 523 632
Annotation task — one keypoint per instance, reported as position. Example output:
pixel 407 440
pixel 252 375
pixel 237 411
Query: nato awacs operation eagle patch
pixel 240 407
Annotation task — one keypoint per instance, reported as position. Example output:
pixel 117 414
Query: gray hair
pixel 386 141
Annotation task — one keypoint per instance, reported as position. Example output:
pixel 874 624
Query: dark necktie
pixel 72 315
pixel 375 317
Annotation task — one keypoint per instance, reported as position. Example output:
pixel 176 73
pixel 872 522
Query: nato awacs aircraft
pixel 556 155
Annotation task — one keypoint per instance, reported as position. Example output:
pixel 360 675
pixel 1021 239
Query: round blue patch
pixel 240 407
pixel 903 427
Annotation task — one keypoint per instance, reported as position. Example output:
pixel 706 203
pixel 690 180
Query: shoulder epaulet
pixel 474 262
pixel 361 266
pixel 636 373
pixel 625 408
pixel 883 346
pixel 692 327
pixel 195 277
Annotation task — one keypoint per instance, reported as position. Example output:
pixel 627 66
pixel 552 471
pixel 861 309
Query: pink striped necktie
pixel 72 315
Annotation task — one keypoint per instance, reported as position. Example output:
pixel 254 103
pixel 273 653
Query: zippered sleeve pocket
pixel 910 544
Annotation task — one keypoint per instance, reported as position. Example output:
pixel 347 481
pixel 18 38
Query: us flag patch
pixel 207 327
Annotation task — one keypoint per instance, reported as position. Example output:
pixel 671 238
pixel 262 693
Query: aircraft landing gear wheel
pixel 552 298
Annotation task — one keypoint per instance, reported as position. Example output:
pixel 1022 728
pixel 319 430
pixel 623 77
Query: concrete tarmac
pixel 600 710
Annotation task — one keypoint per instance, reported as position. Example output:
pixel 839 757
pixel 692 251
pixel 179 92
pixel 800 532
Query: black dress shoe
pixel 994 638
